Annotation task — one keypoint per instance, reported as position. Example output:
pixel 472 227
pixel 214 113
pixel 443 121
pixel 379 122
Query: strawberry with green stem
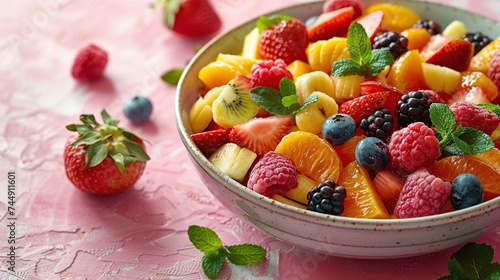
pixel 191 18
pixel 103 159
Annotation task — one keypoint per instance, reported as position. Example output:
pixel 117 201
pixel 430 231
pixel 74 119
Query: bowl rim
pixel 288 210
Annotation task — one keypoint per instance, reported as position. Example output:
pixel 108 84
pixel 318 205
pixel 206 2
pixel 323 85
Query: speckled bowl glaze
pixel 339 236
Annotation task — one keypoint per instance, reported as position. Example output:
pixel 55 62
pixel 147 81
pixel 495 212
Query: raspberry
pixel 470 115
pixel 273 174
pixel 89 63
pixel 431 26
pixel 423 194
pixel 413 147
pixel 392 41
pixel 327 197
pixel 494 70
pixel 268 73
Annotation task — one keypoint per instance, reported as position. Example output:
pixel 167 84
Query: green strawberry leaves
pixel 364 61
pixel 103 140
pixel 473 261
pixel 282 102
pixel 207 241
pixel 264 22
pixel 457 140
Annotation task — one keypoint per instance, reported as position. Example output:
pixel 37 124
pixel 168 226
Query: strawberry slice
pixel 261 135
pixel 455 54
pixel 331 24
pixel 371 23
pixel 209 141
pixel 364 105
pixel 394 94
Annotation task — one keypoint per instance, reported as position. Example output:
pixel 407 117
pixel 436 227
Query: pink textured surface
pixel 63 233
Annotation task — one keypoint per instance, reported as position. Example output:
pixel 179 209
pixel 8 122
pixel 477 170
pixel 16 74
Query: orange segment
pixel 346 150
pixel 313 156
pixel 406 72
pixel 217 73
pixel 479 79
pixel 396 17
pixel 481 61
pixel 450 167
pixel 362 200
pixel 241 63
pixel 491 157
pixel 417 38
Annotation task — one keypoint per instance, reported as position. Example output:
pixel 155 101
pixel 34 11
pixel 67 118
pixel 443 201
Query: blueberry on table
pixel 466 191
pixel 138 109
pixel 338 128
pixel 372 154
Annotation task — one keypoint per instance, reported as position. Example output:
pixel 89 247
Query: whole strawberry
pixel 282 38
pixel 192 18
pixel 103 159
pixel 89 63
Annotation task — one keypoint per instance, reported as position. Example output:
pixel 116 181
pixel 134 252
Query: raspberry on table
pixel 470 115
pixel 413 147
pixel 423 194
pixel 273 174
pixel 328 198
pixel 413 107
pixel 431 26
pixel 392 41
pixel 268 73
pixel 89 63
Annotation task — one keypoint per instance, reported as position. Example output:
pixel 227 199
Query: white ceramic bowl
pixel 340 236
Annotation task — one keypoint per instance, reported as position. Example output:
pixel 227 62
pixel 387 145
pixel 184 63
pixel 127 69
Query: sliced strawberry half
pixel 331 24
pixel 364 105
pixel 474 95
pixel 393 97
pixel 209 141
pixel 261 135
pixel 455 54
pixel 371 23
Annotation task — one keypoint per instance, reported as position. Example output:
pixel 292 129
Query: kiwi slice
pixel 234 106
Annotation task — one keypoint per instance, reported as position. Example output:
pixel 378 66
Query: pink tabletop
pixel 63 233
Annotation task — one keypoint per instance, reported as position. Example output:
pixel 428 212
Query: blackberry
pixel 431 26
pixel 478 39
pixel 327 198
pixel 392 41
pixel 413 107
pixel 380 124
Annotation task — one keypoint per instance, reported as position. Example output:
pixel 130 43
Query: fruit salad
pixel 366 112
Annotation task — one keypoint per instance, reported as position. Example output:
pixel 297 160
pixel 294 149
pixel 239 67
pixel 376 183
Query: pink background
pixel 63 233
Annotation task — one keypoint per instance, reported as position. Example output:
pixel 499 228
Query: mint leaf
pixel 245 254
pixel 462 146
pixel 475 261
pixel 282 102
pixel 379 60
pixel 269 99
pixel 172 76
pixel 364 61
pixel 309 100
pixel 358 44
pixel 476 140
pixel 264 22
pixel 204 239
pixel 442 118
pixel 492 107
pixel 212 263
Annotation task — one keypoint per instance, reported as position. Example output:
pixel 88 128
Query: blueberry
pixel 372 154
pixel 466 191
pixel 138 109
pixel 338 128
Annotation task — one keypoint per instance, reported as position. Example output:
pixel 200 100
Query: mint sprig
pixel 364 61
pixel 492 107
pixel 455 139
pixel 207 241
pixel 473 261
pixel 282 102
